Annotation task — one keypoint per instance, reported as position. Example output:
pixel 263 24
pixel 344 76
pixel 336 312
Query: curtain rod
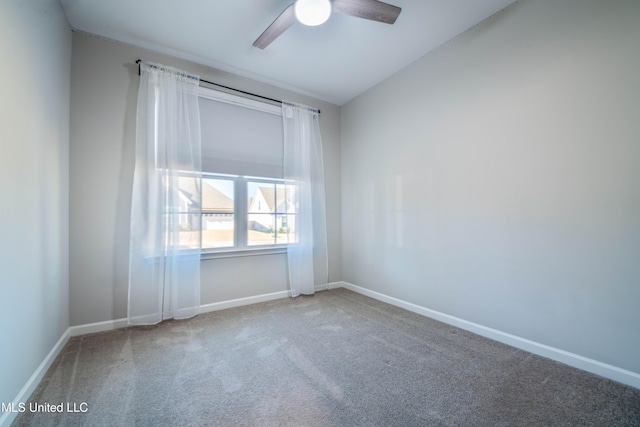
pixel 236 90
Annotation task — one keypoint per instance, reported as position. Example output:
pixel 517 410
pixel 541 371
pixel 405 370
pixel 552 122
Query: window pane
pixel 261 207
pixel 261 197
pixel 261 230
pixel 270 210
pixel 285 198
pixel 181 211
pixel 287 210
pixel 182 231
pixel 282 231
pixel 281 201
pixel 218 215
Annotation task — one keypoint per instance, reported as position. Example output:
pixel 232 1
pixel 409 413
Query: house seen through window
pixel 271 213
pixel 218 213
pixel 266 217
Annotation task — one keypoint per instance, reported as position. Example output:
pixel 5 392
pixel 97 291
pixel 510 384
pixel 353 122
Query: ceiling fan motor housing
pixel 312 12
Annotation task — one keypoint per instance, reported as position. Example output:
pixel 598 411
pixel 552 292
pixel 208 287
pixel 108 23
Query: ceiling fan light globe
pixel 312 12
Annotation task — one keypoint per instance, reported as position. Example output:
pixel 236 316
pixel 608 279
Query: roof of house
pixel 213 200
pixel 271 195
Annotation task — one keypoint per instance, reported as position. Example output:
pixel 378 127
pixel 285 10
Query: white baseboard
pixel 110 325
pixel 7 418
pixel 331 285
pixel 608 371
pixel 259 298
pixel 92 328
pixel 243 301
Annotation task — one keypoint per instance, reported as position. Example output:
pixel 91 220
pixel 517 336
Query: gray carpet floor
pixel 334 359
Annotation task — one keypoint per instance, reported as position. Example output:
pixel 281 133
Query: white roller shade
pixel 240 140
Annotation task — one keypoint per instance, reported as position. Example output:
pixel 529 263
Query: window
pixel 241 213
pixel 246 205
pixel 270 213
pixel 218 212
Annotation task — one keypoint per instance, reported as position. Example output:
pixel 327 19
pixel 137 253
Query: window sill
pixel 235 253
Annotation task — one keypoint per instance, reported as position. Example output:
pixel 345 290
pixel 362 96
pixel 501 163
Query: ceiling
pixel 334 62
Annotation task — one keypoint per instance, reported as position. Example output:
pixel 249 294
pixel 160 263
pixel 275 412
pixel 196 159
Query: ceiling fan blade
pixel 373 10
pixel 277 27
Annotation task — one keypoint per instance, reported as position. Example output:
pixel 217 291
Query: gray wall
pixel 497 179
pixel 103 101
pixel 35 49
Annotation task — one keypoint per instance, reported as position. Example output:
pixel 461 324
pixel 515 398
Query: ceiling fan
pixel 316 12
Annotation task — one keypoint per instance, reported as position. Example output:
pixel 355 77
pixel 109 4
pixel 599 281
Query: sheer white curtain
pixel 164 258
pixel 307 250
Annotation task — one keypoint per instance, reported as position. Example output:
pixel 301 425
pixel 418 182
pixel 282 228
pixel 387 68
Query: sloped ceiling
pixel 334 62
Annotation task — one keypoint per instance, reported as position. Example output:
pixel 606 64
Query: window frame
pixel 241 220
